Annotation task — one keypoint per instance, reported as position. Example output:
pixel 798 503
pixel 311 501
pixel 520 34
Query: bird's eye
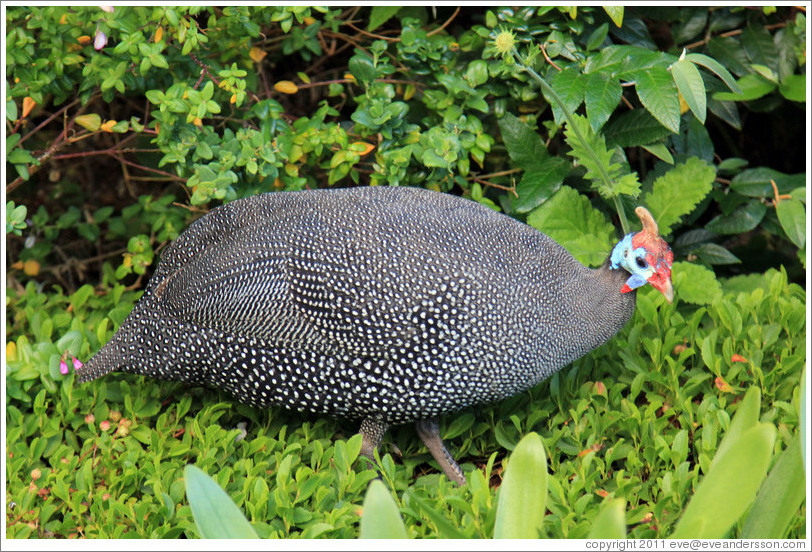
pixel 641 262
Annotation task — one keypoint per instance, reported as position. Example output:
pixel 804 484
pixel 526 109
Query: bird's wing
pixel 330 291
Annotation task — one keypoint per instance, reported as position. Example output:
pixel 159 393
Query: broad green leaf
pixel 477 73
pixel 615 13
pixel 538 184
pixel 524 146
pixel 71 341
pixel 569 218
pixel 717 68
pixel 694 283
pixel 746 418
pixel 362 67
pixel 735 475
pixel 610 523
pixel 215 514
pixel 793 88
pixel 523 494
pixel 802 417
pixel 380 15
pixel 759 46
pixel 765 72
pixel 597 37
pixel 634 128
pixel 659 151
pixel 690 85
pixel 602 95
pixel 658 94
pixel 727 111
pixel 715 254
pixel 90 121
pixel 381 518
pixel 729 53
pixel 743 219
pixel 792 216
pixel 779 498
pixel 756 182
pixel 677 192
pixel 570 85
pixel 753 86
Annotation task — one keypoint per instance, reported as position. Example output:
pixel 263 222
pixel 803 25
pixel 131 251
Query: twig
pixel 731 33
pixel 446 24
pixel 497 186
pixel 544 51
pixel 48 120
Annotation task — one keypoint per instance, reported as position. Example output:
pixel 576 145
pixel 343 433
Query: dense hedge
pixel 125 124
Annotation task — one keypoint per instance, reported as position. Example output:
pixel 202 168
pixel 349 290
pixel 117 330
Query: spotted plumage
pixel 388 305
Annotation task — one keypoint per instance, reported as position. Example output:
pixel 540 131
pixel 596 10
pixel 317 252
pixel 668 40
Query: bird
pixel 385 305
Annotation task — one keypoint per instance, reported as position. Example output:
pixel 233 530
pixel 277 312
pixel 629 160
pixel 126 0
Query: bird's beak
pixel 661 281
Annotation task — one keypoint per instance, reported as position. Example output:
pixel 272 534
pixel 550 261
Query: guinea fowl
pixel 387 305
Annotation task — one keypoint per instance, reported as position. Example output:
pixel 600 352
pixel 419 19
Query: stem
pixel 554 95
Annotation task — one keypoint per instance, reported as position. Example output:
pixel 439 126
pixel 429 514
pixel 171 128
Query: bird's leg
pixel 429 431
pixel 371 434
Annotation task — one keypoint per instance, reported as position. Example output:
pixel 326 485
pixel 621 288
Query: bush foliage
pixel 124 124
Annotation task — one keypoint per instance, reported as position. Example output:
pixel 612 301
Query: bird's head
pixel 646 256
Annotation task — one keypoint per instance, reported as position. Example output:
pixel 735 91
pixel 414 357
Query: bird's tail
pixel 109 358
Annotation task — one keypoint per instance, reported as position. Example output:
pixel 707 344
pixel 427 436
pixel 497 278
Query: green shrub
pixel 125 125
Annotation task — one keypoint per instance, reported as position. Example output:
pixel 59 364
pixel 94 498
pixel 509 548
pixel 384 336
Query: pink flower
pixel 100 41
pixel 76 363
pixel 63 366
pixel 108 9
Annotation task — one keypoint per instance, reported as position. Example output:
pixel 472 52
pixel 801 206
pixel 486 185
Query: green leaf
pixel 477 73
pixel 570 85
pixel 779 498
pixel 677 192
pixel 715 254
pixel 597 37
pixel 743 219
pixel 597 160
pixel 793 88
pixel 659 151
pixel 216 515
pixel 381 518
pixel 735 475
pixel 756 182
pixel 380 15
pixel 602 95
pixel 690 85
pixel 615 13
pixel 759 46
pixel 610 523
pixel 569 218
pixel 11 115
pixel 445 529
pixel 717 68
pixel 523 495
pixel 765 72
pixel 634 128
pixel 658 94
pixel 362 67
pixel 753 86
pixel 802 416
pixel 792 216
pixel 524 146
pixel 694 283
pixel 539 184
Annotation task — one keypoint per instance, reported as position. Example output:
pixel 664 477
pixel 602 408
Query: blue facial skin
pixel 619 259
